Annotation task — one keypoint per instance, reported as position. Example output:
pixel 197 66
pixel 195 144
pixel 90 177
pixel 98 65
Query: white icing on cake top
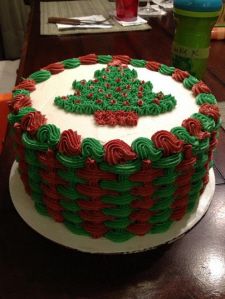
pixel 61 85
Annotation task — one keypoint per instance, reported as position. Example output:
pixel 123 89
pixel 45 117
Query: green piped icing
pixel 71 161
pixel 162 203
pixel 119 211
pixel 164 192
pixel 34 174
pixel 33 144
pixel 190 81
pixel 198 175
pixel 161 227
pixel 207 122
pixel 49 134
pixel 138 62
pixel 40 76
pixel 166 179
pixel 161 216
pixel 32 158
pixel 168 162
pixel 69 192
pixel 121 199
pixel 93 149
pixel 119 236
pixel 104 58
pixel 76 228
pixel 127 168
pixel 71 63
pixel 69 175
pixel 115 88
pixel 118 223
pixel 41 209
pixel 72 217
pixel 205 98
pixel 195 187
pixel 69 205
pixel 183 135
pixel 20 91
pixel 14 118
pixel 126 185
pixel 166 70
pixel 146 149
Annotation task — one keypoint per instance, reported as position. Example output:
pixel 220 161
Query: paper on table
pixel 95 18
pixel 138 21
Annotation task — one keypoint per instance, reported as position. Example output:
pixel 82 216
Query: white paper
pixel 94 18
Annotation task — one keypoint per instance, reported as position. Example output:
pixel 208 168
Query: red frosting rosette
pixel 180 75
pixel 32 121
pixel 153 65
pixel 70 143
pixel 54 68
pixel 194 127
pixel 27 84
pixel 19 102
pixel 210 110
pixel 88 59
pixel 123 58
pixel 200 87
pixel 168 142
pixel 117 151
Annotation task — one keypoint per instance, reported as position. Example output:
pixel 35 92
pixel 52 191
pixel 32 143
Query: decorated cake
pixel 114 147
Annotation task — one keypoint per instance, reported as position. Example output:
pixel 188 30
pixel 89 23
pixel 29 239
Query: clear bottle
pixel 194 22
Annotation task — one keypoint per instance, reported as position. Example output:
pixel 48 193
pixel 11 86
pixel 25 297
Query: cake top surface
pixel 191 98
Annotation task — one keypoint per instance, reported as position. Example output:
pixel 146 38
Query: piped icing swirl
pixel 168 142
pixel 194 127
pixel 32 121
pixel 70 143
pixel 117 151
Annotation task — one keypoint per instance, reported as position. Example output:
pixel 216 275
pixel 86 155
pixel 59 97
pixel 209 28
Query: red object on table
pixel 4 98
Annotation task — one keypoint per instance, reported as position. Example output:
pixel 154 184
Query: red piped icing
pixel 144 190
pixel 141 215
pixel 117 151
pixel 153 65
pixel 19 102
pixel 57 216
pixel 113 118
pixel 49 160
pixel 146 175
pixel 200 87
pixel 144 203
pixel 168 142
pixel 123 58
pixel 32 121
pixel 210 110
pixel 139 229
pixel 27 84
pixel 92 205
pixel 178 214
pixel 93 191
pixel 54 68
pixel 88 59
pixel 180 75
pixel 94 216
pixel 194 127
pixel 94 173
pixel 96 230
pixel 70 143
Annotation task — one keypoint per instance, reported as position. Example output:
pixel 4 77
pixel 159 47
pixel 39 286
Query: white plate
pixel 58 233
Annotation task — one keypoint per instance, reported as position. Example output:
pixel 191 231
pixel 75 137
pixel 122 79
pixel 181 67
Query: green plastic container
pixel 194 22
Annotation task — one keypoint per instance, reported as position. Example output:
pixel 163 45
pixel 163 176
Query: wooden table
pixel 34 267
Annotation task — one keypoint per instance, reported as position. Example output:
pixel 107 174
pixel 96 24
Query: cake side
pixel 114 189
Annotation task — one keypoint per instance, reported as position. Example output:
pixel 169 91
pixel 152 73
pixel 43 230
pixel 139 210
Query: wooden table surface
pixel 191 268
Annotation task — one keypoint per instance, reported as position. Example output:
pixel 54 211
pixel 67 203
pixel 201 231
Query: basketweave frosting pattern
pixel 114 190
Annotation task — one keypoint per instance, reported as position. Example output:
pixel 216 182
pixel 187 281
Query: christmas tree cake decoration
pixel 115 96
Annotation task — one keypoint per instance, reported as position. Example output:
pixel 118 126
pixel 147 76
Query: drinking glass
pixel 126 10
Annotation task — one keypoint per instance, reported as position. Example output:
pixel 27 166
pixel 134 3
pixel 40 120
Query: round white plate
pixel 58 233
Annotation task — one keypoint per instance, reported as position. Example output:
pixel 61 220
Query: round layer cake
pixel 114 147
